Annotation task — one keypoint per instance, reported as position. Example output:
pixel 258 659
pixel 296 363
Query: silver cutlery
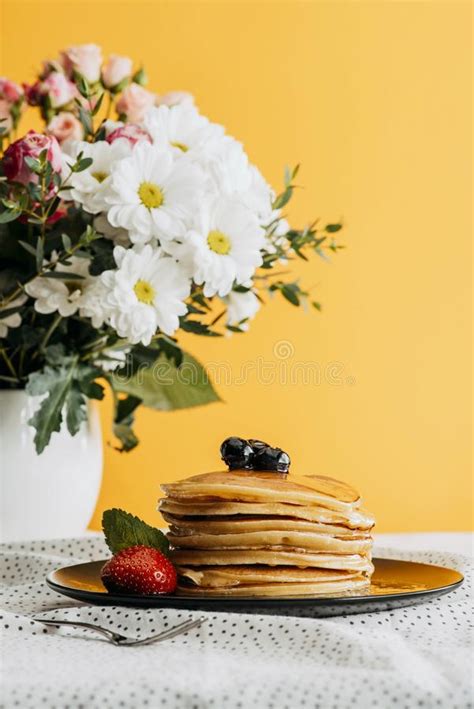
pixel 122 640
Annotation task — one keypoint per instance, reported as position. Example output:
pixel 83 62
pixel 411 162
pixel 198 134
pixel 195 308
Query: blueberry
pixel 237 453
pixel 257 445
pixel 268 458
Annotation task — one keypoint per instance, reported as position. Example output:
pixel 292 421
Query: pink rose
pixel 131 132
pixel 135 102
pixel 5 116
pixel 14 165
pixel 85 59
pixel 173 98
pixel 59 89
pixel 10 91
pixel 65 126
pixel 50 66
pixel 116 70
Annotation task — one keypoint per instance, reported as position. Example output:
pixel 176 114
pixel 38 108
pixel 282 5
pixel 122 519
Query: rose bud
pixel 116 70
pixel 9 90
pixel 134 103
pixel 32 145
pixel 6 121
pixel 85 59
pixel 59 89
pixel 65 126
pixel 131 132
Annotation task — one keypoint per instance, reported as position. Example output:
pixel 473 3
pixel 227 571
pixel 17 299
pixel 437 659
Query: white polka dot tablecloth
pixel 409 657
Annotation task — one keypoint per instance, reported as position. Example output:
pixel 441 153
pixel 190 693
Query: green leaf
pixel 163 386
pixel 76 410
pixel 9 215
pixel 98 104
pixel 85 376
pixel 28 247
pixel 197 328
pixel 283 198
pixel 82 84
pixel 140 77
pixel 296 169
pixel 234 328
pixel 66 242
pixel 34 164
pixel 171 350
pixel 290 294
pixel 126 436
pixel 83 164
pixel 56 382
pixel 332 228
pixel 85 119
pixel 123 530
pixel 317 305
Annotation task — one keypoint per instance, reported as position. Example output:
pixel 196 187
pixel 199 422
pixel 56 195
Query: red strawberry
pixel 139 569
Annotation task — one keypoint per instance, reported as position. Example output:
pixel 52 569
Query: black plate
pixel 395 584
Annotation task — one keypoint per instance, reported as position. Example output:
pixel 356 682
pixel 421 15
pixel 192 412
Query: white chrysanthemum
pixel 91 186
pixel 112 358
pixel 60 295
pixel 228 167
pixel 241 307
pixel 223 248
pixel 116 234
pixel 233 175
pixel 14 319
pixel 181 127
pixel 153 195
pixel 146 292
pixel 93 303
pixel 259 197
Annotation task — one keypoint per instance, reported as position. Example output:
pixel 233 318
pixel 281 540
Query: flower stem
pixel 9 363
pixel 50 331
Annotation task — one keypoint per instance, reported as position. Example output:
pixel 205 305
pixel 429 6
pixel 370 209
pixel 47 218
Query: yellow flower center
pixel 100 176
pixel 144 292
pixel 218 242
pixel 150 195
pixel 181 146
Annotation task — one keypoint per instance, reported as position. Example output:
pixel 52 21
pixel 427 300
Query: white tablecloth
pixel 411 657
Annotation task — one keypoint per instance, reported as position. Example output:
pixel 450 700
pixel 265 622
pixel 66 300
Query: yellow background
pixel 374 99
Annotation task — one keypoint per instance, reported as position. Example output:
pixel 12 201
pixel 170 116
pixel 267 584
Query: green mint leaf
pixel 123 530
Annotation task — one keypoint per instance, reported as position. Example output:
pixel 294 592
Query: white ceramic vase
pixel 51 495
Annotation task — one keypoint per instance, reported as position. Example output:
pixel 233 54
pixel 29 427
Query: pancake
pixel 228 576
pixel 264 487
pixel 354 519
pixel 267 534
pixel 280 590
pixel 269 557
pixel 262 540
pixel 242 523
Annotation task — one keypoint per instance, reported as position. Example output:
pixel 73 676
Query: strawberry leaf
pixel 123 530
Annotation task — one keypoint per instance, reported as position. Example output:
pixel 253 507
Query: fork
pixel 122 640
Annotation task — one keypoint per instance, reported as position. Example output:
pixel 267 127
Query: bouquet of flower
pixel 118 233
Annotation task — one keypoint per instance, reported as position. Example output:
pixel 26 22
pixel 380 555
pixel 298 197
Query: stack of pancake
pixel 264 534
